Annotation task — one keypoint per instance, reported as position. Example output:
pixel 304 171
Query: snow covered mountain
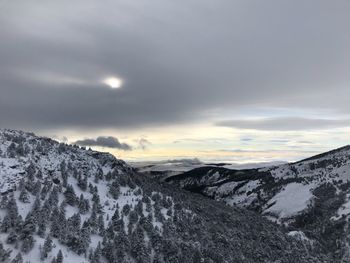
pixel 310 198
pixel 62 203
pixel 163 169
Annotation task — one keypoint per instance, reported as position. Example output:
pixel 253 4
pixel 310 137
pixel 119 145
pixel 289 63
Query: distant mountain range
pixel 63 203
pixel 178 166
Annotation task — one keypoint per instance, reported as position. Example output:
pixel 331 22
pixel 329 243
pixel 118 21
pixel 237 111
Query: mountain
pixel 310 197
pixel 62 203
pixel 163 169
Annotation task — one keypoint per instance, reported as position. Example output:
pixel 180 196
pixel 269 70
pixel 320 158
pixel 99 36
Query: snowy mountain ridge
pixel 312 195
pixel 62 203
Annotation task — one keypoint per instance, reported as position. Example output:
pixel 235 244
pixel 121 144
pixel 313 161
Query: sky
pixel 225 80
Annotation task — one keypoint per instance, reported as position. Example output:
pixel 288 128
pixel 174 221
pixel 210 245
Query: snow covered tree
pixel 100 225
pixel 18 258
pixel 29 225
pixel 24 196
pixel 83 205
pixel 36 188
pixel 31 170
pixel 70 196
pixel 12 217
pixel 126 209
pixel 114 190
pixel 96 255
pixel 3 203
pixel 12 238
pixel 28 243
pixel 47 247
pixel 59 258
pixel 138 248
pixel 4 254
pixel 83 182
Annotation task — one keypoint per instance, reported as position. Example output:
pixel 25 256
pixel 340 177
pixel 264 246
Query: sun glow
pixel 113 82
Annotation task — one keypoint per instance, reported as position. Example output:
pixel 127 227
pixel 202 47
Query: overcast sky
pixel 223 80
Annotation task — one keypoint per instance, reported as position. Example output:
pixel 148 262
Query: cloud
pixel 105 141
pixel 143 143
pixel 246 139
pixel 285 124
pixel 179 60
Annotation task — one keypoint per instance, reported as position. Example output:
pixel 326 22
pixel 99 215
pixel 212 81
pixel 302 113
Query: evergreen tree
pixel 31 170
pixel 47 247
pixel 23 196
pixel 126 209
pixel 70 196
pixel 59 258
pixel 36 188
pixel 12 218
pixel 114 190
pixel 93 221
pixel 3 203
pixel 29 226
pixel 100 225
pixel 12 238
pixel 83 182
pixel 97 254
pixel 27 243
pixel 138 248
pixel 4 254
pixel 83 205
pixel 18 258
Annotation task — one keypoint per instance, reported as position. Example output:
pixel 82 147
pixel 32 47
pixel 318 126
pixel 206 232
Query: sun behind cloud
pixel 113 82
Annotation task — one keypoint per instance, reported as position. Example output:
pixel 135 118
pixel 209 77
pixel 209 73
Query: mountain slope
pixel 62 203
pixel 312 196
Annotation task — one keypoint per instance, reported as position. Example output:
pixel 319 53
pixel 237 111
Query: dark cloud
pixel 246 139
pixel 285 124
pixel 104 141
pixel 179 60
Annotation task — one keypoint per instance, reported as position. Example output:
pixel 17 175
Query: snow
pixel 291 200
pixel 299 235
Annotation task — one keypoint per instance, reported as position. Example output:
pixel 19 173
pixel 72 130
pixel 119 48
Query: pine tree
pixel 70 196
pixel 28 243
pixel 12 217
pixel 59 258
pixel 36 188
pixel 84 240
pixel 4 254
pixel 12 238
pixel 23 196
pixel 46 248
pixel 29 225
pixel 18 258
pixel 83 205
pixel 3 203
pixel 83 182
pixel 96 254
pixel 53 198
pixel 114 190
pixel 100 225
pixel 31 170
pixel 93 221
pixel 126 209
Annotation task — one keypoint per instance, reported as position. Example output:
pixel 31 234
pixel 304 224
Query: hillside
pixel 311 196
pixel 61 203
